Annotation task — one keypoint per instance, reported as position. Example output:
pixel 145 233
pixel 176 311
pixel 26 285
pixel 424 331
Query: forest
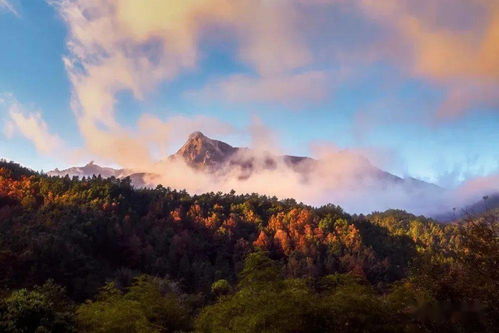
pixel 97 255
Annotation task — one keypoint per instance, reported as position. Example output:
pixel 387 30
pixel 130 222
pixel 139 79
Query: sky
pixel 411 84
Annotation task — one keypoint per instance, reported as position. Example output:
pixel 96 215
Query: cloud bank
pixel 339 176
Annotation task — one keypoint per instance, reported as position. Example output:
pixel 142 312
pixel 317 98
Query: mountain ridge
pixel 214 156
pixel 88 170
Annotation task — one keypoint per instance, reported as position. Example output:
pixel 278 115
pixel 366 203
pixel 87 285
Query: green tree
pixel 146 307
pixel 220 288
pixel 263 302
pixel 43 309
pixel 466 284
pixel 349 304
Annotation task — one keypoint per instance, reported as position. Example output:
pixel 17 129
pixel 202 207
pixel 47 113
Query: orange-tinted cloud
pixel 453 43
pixel 128 45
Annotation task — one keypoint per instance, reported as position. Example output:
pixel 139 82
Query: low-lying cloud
pixel 336 176
pixel 341 176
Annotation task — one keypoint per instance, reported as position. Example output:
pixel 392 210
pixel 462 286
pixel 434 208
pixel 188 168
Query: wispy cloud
pixel 30 125
pixel 7 5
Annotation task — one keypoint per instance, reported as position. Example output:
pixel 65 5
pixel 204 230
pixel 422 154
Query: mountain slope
pixel 488 204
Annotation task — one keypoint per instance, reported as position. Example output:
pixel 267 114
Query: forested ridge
pixel 97 255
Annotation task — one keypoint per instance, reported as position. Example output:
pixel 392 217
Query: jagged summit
pixel 197 135
pixel 201 151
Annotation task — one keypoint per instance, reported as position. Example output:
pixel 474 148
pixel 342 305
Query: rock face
pixel 201 152
pixel 209 155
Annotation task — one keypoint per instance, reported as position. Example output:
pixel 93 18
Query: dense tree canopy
pixel 163 260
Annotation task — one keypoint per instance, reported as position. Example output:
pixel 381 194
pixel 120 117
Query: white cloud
pixel 30 125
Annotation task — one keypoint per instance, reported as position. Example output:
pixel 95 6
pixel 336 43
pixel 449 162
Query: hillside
pixel 82 234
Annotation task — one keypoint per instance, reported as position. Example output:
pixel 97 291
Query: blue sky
pixel 333 82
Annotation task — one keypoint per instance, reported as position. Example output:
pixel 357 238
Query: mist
pixel 336 176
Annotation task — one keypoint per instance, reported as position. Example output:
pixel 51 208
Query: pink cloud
pixel 453 44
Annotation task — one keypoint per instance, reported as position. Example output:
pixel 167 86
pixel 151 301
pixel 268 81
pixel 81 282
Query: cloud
pixel 338 176
pixel 31 126
pixel 452 43
pixel 341 176
pixel 134 46
pixel 126 45
pixel 7 5
pixel 473 190
pixel 150 42
pixel 263 139
pixel 464 96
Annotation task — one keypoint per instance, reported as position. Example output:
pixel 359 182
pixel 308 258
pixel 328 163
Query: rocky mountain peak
pixel 197 136
pixel 200 151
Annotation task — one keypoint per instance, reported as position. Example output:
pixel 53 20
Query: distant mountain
pixel 92 169
pixel 488 203
pixel 89 170
pixel 219 158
